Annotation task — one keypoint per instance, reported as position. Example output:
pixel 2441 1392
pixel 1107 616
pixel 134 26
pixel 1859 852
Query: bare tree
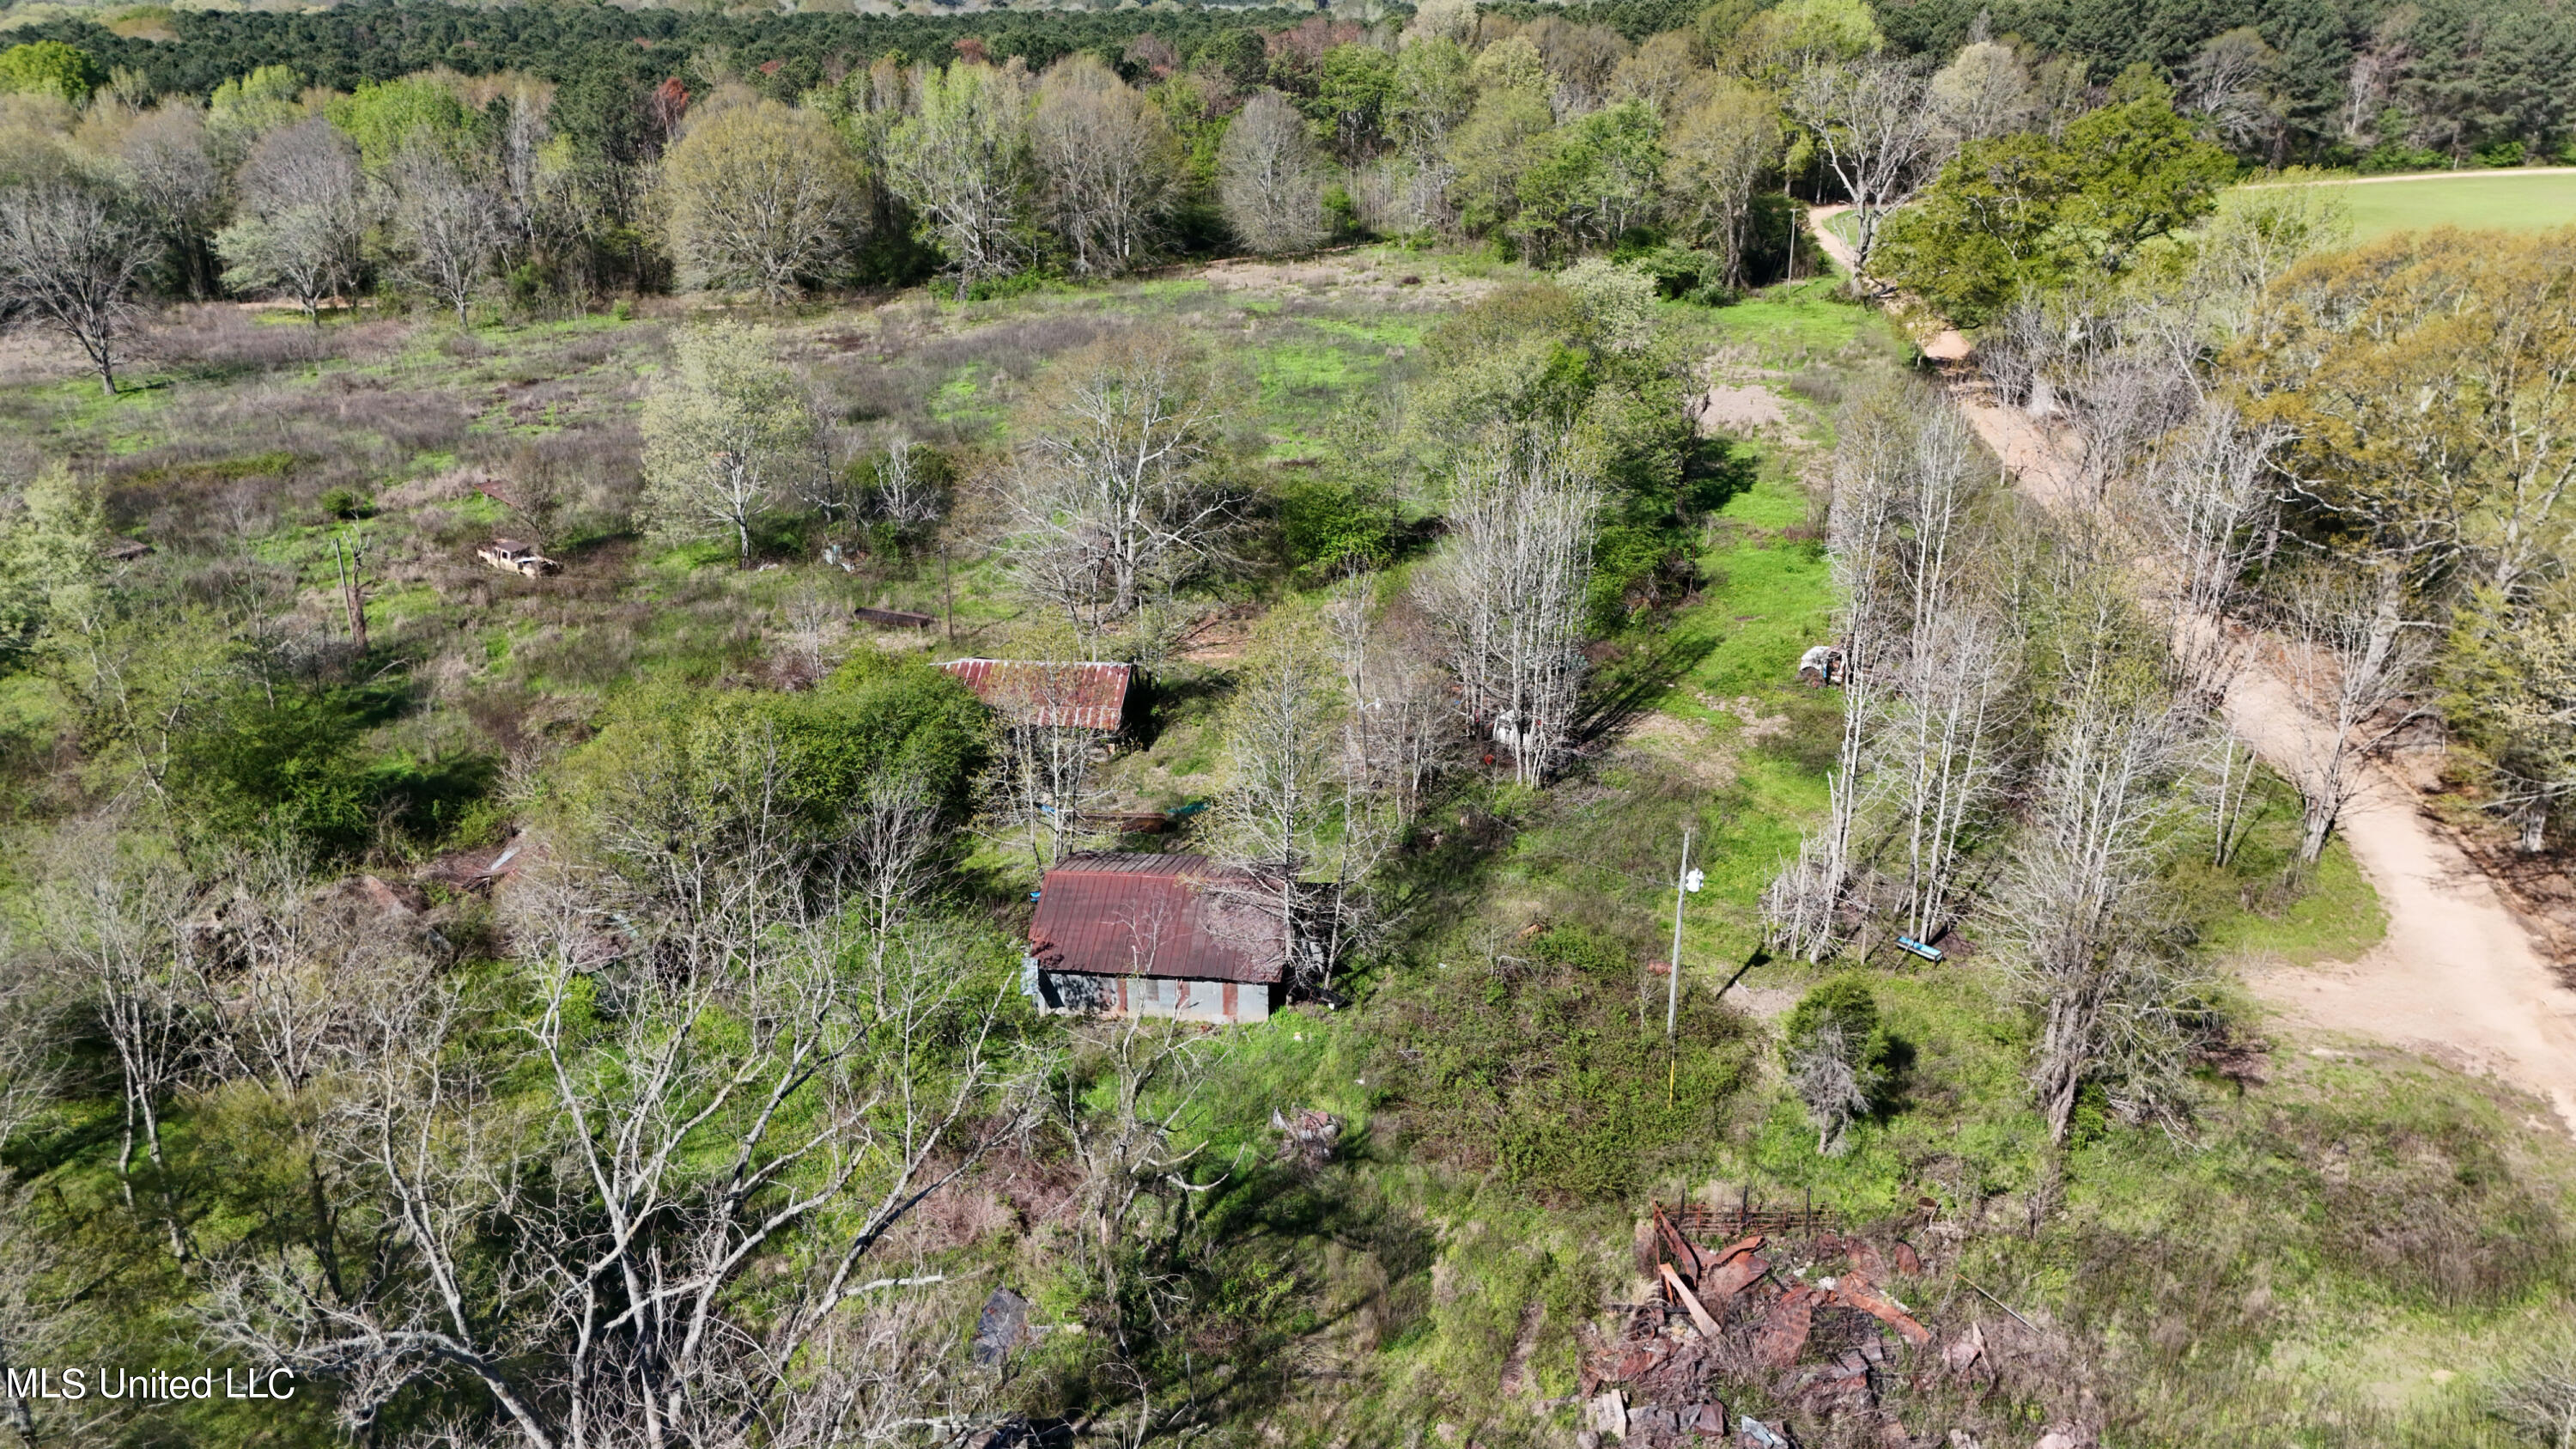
pixel 2126 386
pixel 1269 179
pixel 2229 85
pixel 1832 1083
pixel 1509 592
pixel 1943 754
pixel 1293 817
pixel 112 917
pixel 1873 130
pixel 69 257
pixel 450 226
pixel 40 1322
pixel 302 213
pixel 1040 778
pixel 1106 160
pixel 2537 1394
pixel 520 150
pixel 1398 731
pixel 2350 656
pixel 961 160
pixel 171 173
pixel 903 495
pixel 745 1117
pixel 2210 507
pixel 2077 904
pixel 1984 91
pixel 1109 506
pixel 1152 1070
pixel 1877 459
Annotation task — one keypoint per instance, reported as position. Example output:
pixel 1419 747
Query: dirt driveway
pixel 2458 977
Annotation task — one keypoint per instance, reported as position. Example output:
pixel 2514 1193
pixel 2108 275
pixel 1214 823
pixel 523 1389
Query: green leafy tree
pixel 302 216
pixel 726 436
pixel 2141 173
pixel 49 68
pixel 1591 182
pixel 247 107
pixel 760 196
pixel 1355 89
pixel 385 117
pixel 1431 96
pixel 683 781
pixel 2509 688
pixel 2020 211
pixel 49 551
pixel 1489 152
pixel 962 162
pixel 270 762
pixel 1715 157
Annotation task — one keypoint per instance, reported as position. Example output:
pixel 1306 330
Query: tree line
pixel 1548 137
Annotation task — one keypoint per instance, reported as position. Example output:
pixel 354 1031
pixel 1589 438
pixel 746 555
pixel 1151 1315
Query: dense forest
pixel 1780 626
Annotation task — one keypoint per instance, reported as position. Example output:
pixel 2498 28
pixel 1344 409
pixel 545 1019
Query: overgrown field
pixel 2331 1245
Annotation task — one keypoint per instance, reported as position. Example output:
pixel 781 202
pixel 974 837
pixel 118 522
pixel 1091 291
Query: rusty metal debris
pixel 1825 1346
pixel 1690 1300
pixel 1785 1328
pixel 1855 1290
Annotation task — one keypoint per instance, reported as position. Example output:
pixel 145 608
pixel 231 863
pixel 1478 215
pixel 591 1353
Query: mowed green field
pixel 2507 200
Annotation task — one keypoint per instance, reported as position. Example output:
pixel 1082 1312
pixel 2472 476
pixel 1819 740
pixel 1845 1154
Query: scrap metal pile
pixel 1809 1314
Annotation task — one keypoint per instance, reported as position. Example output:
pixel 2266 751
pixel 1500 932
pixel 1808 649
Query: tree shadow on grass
pixel 1627 685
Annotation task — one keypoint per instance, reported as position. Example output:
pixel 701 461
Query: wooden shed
pixel 1123 934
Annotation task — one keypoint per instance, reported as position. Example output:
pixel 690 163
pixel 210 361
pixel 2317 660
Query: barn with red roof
pixel 1124 934
pixel 1090 694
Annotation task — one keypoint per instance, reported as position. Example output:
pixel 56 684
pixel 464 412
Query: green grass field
pixel 2506 200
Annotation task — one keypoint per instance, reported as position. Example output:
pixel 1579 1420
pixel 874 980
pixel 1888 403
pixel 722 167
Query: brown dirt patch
pixel 1739 409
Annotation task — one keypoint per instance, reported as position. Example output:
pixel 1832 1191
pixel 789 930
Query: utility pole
pixel 1687 881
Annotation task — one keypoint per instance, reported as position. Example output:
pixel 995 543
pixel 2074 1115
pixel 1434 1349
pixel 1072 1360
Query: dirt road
pixel 2458 977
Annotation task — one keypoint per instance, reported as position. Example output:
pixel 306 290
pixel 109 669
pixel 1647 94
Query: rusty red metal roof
pixel 1115 913
pixel 1089 695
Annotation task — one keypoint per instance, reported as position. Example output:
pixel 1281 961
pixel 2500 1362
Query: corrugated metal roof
pixel 1116 913
pixel 1088 695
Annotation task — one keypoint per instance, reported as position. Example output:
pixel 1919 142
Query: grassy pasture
pixel 2473 200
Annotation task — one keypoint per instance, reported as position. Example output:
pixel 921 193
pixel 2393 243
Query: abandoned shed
pixel 1090 695
pixel 1154 935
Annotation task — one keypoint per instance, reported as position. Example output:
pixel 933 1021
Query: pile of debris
pixel 1757 1309
pixel 1309 1138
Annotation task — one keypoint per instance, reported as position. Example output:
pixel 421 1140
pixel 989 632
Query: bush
pixel 346 504
pixel 273 765
pixel 1329 522
pixel 1837 1056
pixel 697 769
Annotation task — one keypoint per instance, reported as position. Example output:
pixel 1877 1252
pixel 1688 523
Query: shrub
pixel 273 764
pixel 1329 522
pixel 688 769
pixel 1837 1056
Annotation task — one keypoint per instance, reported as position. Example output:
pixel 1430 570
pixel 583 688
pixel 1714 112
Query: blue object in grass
pixel 1186 811
pixel 1033 895
pixel 1928 953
